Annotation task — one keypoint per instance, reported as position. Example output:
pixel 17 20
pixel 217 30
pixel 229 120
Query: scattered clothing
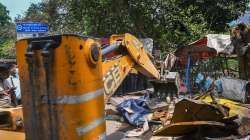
pixel 218 86
pixel 221 43
pixel 204 84
pixel 199 78
pixel 208 83
pixel 182 87
pixel 169 61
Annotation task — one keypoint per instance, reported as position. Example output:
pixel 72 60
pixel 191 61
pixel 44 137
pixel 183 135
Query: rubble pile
pixel 141 116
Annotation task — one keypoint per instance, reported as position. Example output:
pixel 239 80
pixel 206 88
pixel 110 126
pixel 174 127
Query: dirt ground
pixel 116 131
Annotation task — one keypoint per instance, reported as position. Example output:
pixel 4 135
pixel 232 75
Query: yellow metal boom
pixel 134 56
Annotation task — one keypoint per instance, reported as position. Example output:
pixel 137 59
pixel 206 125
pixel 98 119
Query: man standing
pixel 12 82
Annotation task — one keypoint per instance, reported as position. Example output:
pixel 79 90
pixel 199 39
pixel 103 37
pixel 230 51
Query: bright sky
pixel 16 7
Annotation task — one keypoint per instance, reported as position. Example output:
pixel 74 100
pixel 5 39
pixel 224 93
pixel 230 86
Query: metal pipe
pixel 45 46
pixel 111 47
pixel 33 114
pixel 52 112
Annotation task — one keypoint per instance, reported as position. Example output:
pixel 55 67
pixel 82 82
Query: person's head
pixel 4 71
pixel 12 69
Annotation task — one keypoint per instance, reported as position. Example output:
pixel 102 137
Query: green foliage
pixel 4 15
pixel 4 23
pixel 35 12
pixel 216 12
pixel 7 34
pixel 7 49
pixel 233 64
pixel 169 22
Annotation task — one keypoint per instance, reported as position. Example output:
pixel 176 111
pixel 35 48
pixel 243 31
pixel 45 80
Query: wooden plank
pixel 11 135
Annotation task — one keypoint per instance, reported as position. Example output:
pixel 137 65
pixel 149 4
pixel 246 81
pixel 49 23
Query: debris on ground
pixel 138 131
pixel 183 118
pixel 155 104
pixel 198 116
pixel 182 106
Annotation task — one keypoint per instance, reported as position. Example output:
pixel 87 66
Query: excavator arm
pixel 64 78
pixel 132 55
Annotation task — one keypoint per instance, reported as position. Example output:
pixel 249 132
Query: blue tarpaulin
pixel 134 110
pixel 187 80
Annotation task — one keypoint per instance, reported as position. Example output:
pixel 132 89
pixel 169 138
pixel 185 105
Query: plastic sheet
pixel 234 89
pixel 134 110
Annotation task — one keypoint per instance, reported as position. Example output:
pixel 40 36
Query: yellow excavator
pixel 65 83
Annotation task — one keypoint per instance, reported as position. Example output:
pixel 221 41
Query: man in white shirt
pixel 13 83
